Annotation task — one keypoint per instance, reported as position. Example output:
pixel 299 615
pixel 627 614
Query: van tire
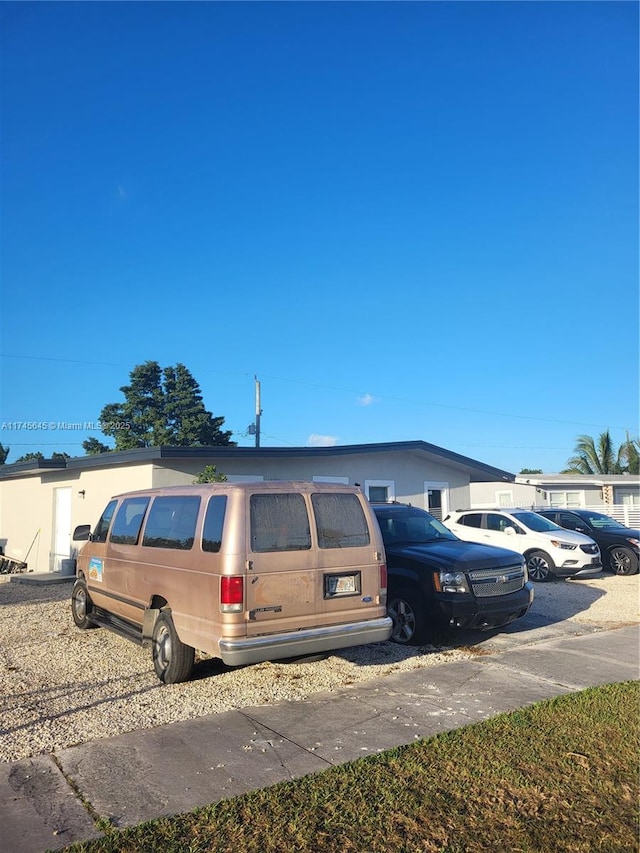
pixel 172 660
pixel 81 605
pixel 409 616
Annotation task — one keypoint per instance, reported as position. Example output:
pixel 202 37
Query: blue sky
pixel 409 220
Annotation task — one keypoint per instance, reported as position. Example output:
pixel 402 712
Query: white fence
pixel 627 514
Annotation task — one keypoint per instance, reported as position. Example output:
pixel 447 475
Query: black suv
pixel 619 545
pixel 436 580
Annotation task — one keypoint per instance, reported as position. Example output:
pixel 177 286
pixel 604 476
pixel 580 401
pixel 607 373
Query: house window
pixel 566 499
pixel 379 491
pixel 243 478
pixel 504 498
pixel 628 497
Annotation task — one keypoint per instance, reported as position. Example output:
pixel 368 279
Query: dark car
pixel 435 580
pixel 619 545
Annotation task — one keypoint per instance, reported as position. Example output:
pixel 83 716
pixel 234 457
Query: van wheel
pixel 409 618
pixel 623 561
pixel 540 566
pixel 81 605
pixel 172 660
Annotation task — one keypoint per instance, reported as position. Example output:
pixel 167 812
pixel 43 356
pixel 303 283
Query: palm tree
pixel 630 452
pixel 600 458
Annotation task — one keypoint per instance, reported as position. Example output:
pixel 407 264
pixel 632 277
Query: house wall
pixel 27 503
pixel 27 506
pixel 520 494
pixel 408 472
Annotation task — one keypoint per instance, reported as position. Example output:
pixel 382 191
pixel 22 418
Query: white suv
pixel 550 550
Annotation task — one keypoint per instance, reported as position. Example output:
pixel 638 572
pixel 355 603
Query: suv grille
pixel 488 582
pixel 589 549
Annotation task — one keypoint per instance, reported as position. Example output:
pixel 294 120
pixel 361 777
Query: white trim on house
pixel 568 499
pixel 443 488
pixel 504 497
pixel 389 485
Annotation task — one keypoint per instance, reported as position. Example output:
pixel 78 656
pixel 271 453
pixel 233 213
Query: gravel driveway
pixel 60 686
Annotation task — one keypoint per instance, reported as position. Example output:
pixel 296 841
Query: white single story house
pixel 42 501
pixel 617 495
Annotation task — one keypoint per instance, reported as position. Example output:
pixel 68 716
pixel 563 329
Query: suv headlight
pixel 564 545
pixel 450 582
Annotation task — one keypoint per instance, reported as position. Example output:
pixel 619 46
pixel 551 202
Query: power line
pixel 347 391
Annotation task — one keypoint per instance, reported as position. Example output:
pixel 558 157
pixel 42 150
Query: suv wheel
pixel 540 566
pixel 409 617
pixel 623 561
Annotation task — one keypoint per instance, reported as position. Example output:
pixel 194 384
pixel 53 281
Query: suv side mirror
pixel 82 533
pixel 510 530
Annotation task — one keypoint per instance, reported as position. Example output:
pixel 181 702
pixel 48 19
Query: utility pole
pixel 258 411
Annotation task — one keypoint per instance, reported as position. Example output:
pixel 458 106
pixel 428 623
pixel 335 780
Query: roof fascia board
pixel 476 470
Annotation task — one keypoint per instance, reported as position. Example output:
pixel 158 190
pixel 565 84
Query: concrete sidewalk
pixel 177 767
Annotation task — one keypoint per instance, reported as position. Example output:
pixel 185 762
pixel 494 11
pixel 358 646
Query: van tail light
pixel 231 594
pixel 383 578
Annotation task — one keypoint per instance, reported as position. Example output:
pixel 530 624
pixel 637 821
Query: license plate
pixel 340 585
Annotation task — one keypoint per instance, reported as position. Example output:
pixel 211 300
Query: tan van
pixel 246 572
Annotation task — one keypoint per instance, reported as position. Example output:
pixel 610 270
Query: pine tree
pixel 162 407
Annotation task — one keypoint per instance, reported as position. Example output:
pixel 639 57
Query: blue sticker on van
pixel 95 569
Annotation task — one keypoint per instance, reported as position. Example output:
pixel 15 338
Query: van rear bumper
pixel 309 641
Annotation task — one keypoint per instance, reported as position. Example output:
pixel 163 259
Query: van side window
pixel 213 523
pixel 279 523
pixel 102 527
pixel 128 522
pixel 340 521
pixel 172 522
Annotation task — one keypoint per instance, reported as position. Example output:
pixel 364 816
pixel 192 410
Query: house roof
pixel 477 472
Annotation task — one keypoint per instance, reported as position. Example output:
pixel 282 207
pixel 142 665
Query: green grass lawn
pixel 562 775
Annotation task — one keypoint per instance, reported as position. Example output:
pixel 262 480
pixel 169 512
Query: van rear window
pixel 279 523
pixel 214 523
pixel 172 522
pixel 128 521
pixel 340 521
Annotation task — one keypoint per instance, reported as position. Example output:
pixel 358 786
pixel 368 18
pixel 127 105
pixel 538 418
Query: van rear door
pixel 350 554
pixel 281 591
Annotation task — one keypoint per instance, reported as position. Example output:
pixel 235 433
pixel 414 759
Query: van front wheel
pixel 81 605
pixel 172 660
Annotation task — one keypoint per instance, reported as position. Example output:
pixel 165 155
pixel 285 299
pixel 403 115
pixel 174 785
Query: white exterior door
pixel 61 528
pixel 436 498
